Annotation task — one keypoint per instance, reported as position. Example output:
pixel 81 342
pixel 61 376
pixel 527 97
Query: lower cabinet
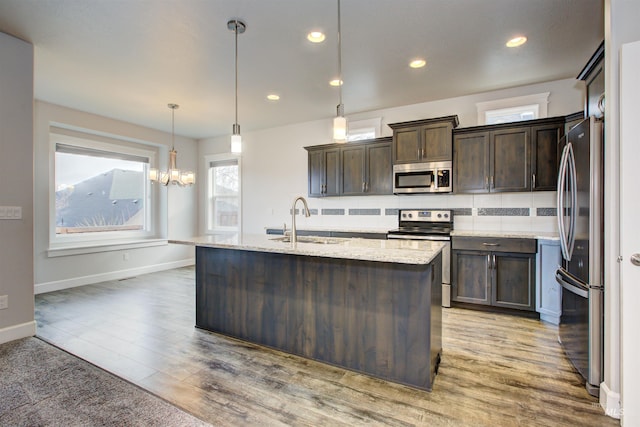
pixel 494 271
pixel 548 291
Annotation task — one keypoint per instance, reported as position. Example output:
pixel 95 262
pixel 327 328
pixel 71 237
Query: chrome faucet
pixel 294 237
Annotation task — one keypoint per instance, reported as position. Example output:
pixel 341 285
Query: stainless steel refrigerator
pixel 580 223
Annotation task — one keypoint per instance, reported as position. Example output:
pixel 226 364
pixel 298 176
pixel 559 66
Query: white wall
pixel 274 169
pixel 16 187
pixel 65 271
pixel 621 27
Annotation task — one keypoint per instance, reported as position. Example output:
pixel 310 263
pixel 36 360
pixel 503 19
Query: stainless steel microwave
pixel 417 178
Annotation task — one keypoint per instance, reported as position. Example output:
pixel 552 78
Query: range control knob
pixel 439 215
pixel 410 215
pixel 446 215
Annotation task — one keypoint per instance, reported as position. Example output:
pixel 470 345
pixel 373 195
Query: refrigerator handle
pixel 571 284
pixel 562 175
pixel 573 211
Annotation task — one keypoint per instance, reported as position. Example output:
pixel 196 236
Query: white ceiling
pixel 127 59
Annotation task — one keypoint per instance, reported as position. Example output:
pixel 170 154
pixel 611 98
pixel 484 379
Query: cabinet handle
pixel 488 261
pixel 364 186
pixel 492 184
pixel 533 184
pixel 490 244
pixel 494 261
pixel 486 182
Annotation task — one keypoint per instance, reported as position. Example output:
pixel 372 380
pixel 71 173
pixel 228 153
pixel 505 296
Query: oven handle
pixel 412 237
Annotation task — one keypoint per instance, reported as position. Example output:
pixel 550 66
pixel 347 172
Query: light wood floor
pixel 497 370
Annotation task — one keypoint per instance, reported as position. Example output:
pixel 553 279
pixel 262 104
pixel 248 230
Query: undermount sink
pixel 308 239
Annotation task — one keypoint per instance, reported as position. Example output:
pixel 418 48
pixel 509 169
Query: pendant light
pixel 340 122
pixel 238 27
pixel 174 175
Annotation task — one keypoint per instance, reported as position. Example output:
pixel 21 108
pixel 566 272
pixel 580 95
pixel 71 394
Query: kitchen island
pixel 372 306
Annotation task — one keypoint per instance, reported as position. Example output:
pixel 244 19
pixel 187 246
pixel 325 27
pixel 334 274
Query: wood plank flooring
pixel 496 370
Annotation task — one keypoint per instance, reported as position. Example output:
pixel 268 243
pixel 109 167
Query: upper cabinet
pixel 366 168
pixel 593 76
pixel 351 169
pixel 521 156
pixel 324 171
pixel 426 140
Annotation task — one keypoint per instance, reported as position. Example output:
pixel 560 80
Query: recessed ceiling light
pixel 417 63
pixel 316 37
pixel 517 41
pixel 273 97
pixel 336 82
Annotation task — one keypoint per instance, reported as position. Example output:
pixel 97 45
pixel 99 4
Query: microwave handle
pixel 435 179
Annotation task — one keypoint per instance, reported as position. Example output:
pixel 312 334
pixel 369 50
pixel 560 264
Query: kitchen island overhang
pixel 372 306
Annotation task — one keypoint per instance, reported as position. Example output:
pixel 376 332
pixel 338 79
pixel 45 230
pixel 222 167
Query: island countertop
pixel 396 251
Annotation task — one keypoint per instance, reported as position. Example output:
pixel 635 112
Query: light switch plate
pixel 10 212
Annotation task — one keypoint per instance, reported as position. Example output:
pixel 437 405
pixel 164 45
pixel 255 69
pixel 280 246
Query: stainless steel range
pixel 425 224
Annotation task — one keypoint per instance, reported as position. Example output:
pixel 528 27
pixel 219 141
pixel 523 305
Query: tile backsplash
pixel 486 212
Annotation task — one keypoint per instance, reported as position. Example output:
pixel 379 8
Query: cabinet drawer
pixel 494 244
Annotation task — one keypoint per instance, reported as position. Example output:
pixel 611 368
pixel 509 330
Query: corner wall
pixel 16 188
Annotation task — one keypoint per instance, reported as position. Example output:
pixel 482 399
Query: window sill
pixel 96 247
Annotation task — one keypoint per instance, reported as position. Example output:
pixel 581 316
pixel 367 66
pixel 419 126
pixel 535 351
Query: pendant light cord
pixel 339 55
pixel 236 32
pixel 173 133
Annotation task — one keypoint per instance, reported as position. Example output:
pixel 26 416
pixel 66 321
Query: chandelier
pixel 173 175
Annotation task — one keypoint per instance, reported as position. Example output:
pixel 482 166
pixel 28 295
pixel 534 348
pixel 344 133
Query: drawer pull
pixel 491 244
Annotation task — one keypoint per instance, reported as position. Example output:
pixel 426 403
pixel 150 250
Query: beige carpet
pixel 41 385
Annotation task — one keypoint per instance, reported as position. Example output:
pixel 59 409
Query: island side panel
pixel 366 316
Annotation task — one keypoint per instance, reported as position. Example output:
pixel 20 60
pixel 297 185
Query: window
pixel 513 109
pixel 100 190
pixel 360 130
pixel 223 188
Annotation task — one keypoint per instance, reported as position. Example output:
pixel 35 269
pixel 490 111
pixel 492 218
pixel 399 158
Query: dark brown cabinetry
pixel 426 140
pixel 593 76
pixel 494 271
pixel 324 171
pixel 507 158
pixel 351 169
pixel 366 168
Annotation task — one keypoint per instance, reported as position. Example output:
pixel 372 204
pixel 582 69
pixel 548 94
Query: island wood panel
pixel 370 317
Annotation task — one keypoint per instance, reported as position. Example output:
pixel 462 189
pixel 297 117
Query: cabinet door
pixel 510 154
pixel 436 142
pixel 316 173
pixel 332 172
pixel 513 277
pixel 470 277
pixel 545 156
pixel 407 145
pixel 353 170
pixel 471 163
pixel 380 169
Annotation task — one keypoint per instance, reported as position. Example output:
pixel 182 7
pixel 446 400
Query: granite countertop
pixel 397 251
pixel 379 230
pixel 541 235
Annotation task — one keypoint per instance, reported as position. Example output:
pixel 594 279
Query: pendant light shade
pixel 340 122
pixel 238 27
pixel 173 175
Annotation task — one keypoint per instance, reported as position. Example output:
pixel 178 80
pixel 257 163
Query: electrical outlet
pixel 125 256
pixel 4 302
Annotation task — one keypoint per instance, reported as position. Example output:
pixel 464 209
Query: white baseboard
pixel 16 332
pixel 41 288
pixel 610 401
